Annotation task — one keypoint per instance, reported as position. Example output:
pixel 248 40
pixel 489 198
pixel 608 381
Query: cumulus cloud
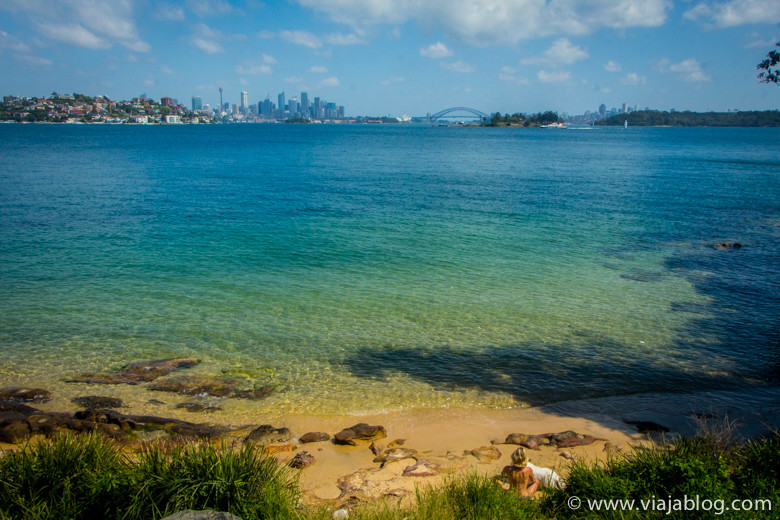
pixel 632 78
pixel 556 76
pixel 166 69
pixel 318 69
pixel 689 70
pixel 509 74
pixel 293 79
pixel 35 61
pixel 208 46
pixel 341 39
pixel 612 66
pixel 458 66
pixel 171 12
pixel 329 82
pixel 254 69
pixel 561 52
pixel 208 8
pixel 82 23
pixel 735 12
pixel 486 22
pixel 436 50
pixel 304 38
pixel 266 35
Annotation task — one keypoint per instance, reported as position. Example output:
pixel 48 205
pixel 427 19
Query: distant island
pixel 767 118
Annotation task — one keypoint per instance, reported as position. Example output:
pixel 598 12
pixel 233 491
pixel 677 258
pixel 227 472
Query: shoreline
pixel 443 438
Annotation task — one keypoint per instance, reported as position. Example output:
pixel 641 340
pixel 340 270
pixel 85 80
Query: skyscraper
pixel 293 104
pixel 197 103
pixel 282 103
pixel 244 102
pixel 220 99
pixel 304 103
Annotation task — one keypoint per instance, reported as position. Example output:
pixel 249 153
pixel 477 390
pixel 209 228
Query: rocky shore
pixel 341 459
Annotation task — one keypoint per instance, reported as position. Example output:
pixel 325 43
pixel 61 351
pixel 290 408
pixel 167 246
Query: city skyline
pixel 394 58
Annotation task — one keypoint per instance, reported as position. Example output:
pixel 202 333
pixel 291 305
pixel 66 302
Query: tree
pixel 770 73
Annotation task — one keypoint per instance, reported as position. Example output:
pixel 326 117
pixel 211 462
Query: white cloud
pixel 256 68
pixel 436 50
pixel 689 70
pixel 293 79
pixel 33 60
pixel 304 38
pixel 561 52
pixel 166 11
pixel 266 35
pixel 329 82
pixel 318 69
pixel 73 34
pixel 8 42
pixel 486 22
pixel 349 39
pixel 210 8
pixel 149 82
pixel 556 76
pixel 632 78
pixel 735 12
pixel 612 66
pixel 268 59
pixel 83 23
pixel 166 69
pixel 509 74
pixel 391 81
pixel 458 66
pixel 209 46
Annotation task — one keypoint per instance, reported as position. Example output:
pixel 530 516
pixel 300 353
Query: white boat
pixel 554 125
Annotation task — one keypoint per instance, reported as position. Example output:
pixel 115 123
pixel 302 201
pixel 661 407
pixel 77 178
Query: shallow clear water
pixel 369 268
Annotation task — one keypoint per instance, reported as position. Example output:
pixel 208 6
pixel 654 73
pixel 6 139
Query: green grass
pixel 88 477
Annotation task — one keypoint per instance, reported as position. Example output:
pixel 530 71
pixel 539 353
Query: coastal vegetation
pixel 519 119
pixel 71 477
pixel 767 118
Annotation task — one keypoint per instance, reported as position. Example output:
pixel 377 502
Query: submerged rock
pixel 646 427
pixel 97 401
pixel 213 387
pixel 314 437
pixel 267 434
pixel 725 246
pixel 360 432
pixel 13 406
pixel 198 407
pixel 138 372
pixel 25 394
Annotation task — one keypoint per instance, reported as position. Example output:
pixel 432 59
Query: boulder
pixel 647 427
pixel 570 439
pixel 419 470
pixel 13 427
pixel 302 460
pixel 485 454
pixel 138 372
pixel 394 454
pixel 360 432
pixel 25 395
pixel 531 442
pixel 97 401
pixel 283 448
pixel 267 434
pixel 12 406
pixel 314 437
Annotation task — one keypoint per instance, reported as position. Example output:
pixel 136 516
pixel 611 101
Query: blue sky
pixel 395 57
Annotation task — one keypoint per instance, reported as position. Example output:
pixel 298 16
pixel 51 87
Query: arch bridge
pixel 448 112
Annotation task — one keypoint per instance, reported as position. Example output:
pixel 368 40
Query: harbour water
pixel 360 269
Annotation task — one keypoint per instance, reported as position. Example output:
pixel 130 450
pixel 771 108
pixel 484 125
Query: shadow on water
pixel 744 316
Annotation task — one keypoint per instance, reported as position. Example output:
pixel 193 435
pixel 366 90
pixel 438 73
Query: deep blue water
pixel 364 268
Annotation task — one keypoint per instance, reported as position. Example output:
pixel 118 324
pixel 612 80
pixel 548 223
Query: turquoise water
pixel 370 268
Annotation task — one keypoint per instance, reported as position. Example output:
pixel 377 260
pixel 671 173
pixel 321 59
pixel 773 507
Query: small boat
pixel 554 125
pixel 625 124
